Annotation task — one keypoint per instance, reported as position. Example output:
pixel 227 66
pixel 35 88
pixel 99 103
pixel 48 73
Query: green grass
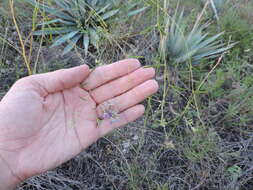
pixel 240 31
pixel 197 130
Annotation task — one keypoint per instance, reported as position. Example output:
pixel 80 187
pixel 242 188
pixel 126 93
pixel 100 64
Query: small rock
pixel 126 146
pixel 135 138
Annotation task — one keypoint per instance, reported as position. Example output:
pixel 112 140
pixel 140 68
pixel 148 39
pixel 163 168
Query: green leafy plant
pixel 181 45
pixel 235 172
pixel 202 143
pixel 237 28
pixel 81 20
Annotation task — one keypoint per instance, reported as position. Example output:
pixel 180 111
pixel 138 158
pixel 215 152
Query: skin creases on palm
pixel 59 124
pixel 49 118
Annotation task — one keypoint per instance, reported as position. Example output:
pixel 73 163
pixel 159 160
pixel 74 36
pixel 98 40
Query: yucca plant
pixel 182 44
pixel 80 20
pixel 217 6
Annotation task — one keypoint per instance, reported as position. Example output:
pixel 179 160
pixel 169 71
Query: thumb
pixel 59 80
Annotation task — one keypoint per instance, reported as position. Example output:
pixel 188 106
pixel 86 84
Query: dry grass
pixel 197 132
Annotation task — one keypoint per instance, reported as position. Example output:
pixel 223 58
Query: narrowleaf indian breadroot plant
pixel 81 20
pixel 181 44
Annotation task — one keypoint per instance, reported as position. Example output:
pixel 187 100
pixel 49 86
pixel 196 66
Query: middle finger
pixel 122 85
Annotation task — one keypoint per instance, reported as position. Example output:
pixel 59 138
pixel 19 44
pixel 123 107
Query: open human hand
pixel 47 119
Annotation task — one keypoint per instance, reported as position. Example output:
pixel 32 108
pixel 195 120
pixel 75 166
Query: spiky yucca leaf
pixel 79 20
pixel 182 45
pixel 216 6
pixel 219 4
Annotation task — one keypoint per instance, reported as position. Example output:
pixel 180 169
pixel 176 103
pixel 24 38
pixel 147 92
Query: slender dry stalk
pixel 27 63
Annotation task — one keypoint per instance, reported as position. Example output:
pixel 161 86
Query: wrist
pixel 8 179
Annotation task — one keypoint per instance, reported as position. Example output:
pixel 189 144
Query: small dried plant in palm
pixel 76 21
pixel 182 43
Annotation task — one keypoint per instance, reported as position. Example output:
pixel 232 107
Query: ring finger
pixel 128 99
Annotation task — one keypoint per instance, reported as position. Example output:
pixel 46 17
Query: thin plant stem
pixel 27 63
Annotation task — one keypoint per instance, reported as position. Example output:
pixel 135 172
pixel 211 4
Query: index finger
pixel 107 73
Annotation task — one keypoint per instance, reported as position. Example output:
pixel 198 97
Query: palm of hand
pixel 65 125
pixel 56 121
